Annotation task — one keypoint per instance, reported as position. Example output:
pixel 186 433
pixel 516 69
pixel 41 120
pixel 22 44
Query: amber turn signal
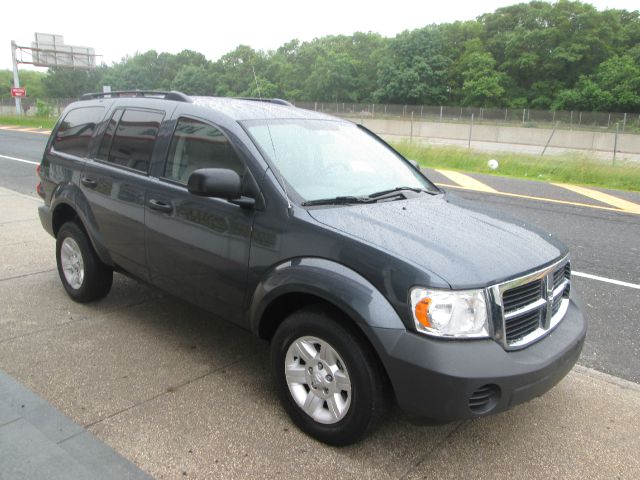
pixel 422 312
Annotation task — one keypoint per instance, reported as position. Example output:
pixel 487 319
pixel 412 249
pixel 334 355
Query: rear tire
pixel 83 275
pixel 327 376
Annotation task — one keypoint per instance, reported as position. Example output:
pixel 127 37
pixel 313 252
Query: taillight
pixel 40 189
pixel 38 170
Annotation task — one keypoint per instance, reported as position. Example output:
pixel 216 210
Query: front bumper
pixel 440 379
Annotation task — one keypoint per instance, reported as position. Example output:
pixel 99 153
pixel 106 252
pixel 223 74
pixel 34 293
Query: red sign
pixel 18 92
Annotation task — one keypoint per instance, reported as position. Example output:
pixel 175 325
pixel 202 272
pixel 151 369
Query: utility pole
pixel 16 80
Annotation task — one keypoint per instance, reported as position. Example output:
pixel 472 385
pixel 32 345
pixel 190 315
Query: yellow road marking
pixel 14 128
pixel 466 181
pixel 544 199
pixel 602 197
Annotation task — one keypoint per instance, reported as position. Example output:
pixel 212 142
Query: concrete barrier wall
pixel 570 139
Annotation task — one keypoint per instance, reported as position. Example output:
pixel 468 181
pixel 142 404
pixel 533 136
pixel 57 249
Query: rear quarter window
pixel 76 129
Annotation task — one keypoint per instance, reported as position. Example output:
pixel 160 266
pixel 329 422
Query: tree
pixel 71 83
pixel 414 69
pixel 614 87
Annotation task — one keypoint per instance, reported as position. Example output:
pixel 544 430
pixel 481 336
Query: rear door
pixel 114 183
pixel 198 248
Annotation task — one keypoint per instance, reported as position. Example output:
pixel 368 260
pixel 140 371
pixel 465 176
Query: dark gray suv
pixel 370 283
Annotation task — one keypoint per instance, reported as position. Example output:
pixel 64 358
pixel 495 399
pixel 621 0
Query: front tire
pixel 84 277
pixel 328 378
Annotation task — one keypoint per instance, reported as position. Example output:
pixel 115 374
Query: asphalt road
pixel 603 243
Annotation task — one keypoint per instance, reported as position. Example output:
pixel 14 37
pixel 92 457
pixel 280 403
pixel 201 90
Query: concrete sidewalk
pixel 183 396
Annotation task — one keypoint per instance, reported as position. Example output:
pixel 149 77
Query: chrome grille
pixel 518 297
pixel 532 305
pixel 518 327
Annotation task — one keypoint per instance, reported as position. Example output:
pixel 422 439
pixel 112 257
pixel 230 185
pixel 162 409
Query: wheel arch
pixel 303 282
pixel 68 203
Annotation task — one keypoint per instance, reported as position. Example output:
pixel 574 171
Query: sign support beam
pixel 16 79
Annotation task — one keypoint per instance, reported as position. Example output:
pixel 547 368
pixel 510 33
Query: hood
pixel 457 240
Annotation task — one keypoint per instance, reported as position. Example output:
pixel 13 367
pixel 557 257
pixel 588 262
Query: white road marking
pixel 607 280
pixel 19 160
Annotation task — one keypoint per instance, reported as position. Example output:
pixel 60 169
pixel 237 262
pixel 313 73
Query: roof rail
pixel 177 96
pixel 277 101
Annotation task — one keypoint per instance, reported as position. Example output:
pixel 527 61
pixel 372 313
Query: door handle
pixel 160 206
pixel 89 182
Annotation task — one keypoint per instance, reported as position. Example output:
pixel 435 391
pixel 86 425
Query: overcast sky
pixel 118 28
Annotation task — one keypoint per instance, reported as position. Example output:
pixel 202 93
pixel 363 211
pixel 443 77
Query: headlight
pixel 449 313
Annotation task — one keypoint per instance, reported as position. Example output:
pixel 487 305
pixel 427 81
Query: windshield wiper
pixel 397 189
pixel 344 200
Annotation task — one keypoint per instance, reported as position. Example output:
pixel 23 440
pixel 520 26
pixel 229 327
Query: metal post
pixel 421 107
pixel 373 110
pixel 411 133
pixel 580 119
pixel 571 119
pixel 16 79
pixel 470 131
pixel 385 108
pixel 624 122
pixel 609 121
pixel 549 139
pixel 506 112
pixel 554 117
pixel 524 112
pixel 440 112
pixel 615 143
pixel 404 110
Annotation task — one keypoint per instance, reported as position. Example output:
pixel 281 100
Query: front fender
pixel 67 193
pixel 336 284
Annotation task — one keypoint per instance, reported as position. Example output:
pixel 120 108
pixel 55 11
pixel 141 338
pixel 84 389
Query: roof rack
pixel 177 96
pixel 277 101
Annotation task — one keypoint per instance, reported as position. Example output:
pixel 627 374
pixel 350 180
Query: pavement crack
pixel 424 457
pixel 173 389
pixel 76 320
pixel 23 275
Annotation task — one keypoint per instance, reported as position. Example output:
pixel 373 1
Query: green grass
pixel 580 169
pixel 24 121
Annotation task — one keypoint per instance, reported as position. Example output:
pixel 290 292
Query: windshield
pixel 325 159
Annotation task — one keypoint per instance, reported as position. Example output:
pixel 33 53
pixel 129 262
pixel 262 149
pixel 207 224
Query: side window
pixel 198 145
pixel 107 138
pixel 134 138
pixel 75 131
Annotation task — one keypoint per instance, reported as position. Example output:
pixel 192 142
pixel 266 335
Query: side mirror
pixel 218 183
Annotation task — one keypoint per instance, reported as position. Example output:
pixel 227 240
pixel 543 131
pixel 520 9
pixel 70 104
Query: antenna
pixel 273 145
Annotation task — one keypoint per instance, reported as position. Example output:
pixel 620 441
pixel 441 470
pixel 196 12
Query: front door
pixel 198 248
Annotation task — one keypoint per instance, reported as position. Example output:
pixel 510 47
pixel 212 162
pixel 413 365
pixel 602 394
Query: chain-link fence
pixel 625 122
pixel 599 121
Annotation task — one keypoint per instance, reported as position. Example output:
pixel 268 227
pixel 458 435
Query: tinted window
pixel 198 145
pixel 134 138
pixel 75 131
pixel 107 138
